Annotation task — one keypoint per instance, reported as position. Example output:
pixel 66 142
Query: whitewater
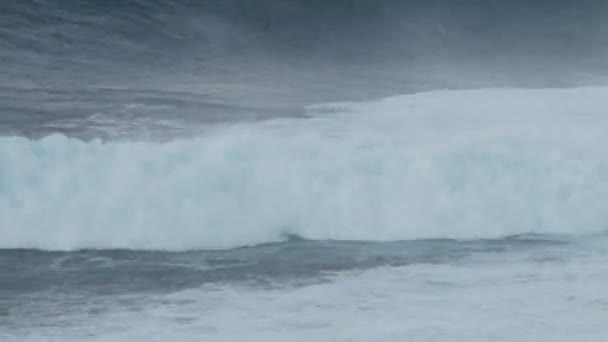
pixel 447 215
pixel 444 164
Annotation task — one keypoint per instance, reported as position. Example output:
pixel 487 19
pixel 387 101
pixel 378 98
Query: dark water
pixel 107 271
pixel 62 291
pixel 30 276
pixel 158 69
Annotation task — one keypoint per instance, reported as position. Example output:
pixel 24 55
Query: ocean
pixel 297 170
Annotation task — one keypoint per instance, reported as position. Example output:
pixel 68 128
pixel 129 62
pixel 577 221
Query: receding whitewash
pixel 458 164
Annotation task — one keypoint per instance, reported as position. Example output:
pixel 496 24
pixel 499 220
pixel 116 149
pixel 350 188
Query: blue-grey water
pixel 300 170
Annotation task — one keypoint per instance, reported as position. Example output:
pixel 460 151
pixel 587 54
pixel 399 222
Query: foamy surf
pixel 444 164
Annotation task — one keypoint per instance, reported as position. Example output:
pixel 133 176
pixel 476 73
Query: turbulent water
pixel 303 170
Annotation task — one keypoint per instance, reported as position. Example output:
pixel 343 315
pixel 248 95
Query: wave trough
pixel 444 164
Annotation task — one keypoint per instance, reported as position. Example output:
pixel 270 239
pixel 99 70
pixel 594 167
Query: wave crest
pixel 463 164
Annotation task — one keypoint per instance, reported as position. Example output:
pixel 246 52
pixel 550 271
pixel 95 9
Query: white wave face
pixel 446 164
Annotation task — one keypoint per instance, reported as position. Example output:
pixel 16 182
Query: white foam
pixel 458 164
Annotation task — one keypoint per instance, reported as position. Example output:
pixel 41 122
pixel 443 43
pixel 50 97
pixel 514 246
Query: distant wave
pixel 459 164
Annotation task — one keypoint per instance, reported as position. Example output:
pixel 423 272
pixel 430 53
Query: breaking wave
pixel 443 164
